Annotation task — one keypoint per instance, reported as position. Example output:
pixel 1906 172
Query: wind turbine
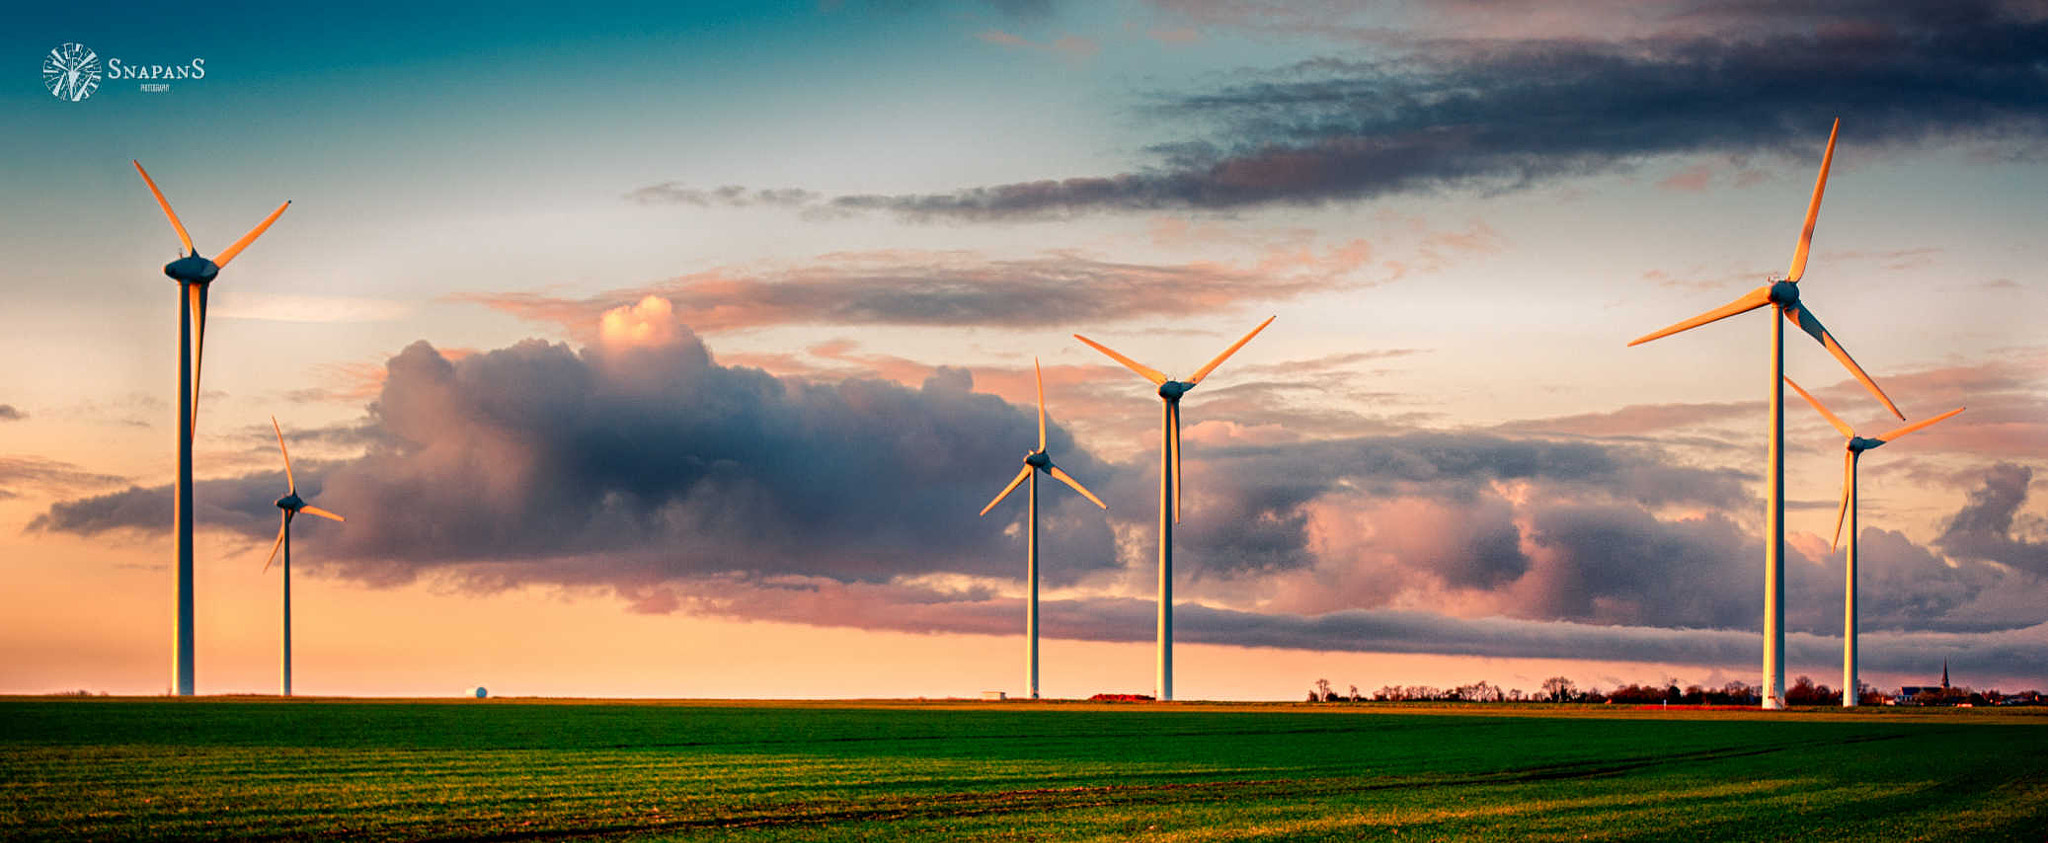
pixel 1783 296
pixel 1034 462
pixel 1170 392
pixel 292 505
pixel 193 273
pixel 1853 455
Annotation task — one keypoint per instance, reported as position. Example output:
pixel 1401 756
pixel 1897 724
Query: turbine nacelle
pixel 1784 293
pixel 1038 460
pixel 1859 444
pixel 192 269
pixel 291 503
pixel 1173 390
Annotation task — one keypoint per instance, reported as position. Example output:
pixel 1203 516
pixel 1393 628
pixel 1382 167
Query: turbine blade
pixel 1149 373
pixel 290 484
pixel 1040 374
pixel 1205 370
pixel 314 510
pixel 1750 301
pixel 1062 476
pixel 1820 185
pixel 198 304
pixel 1894 434
pixel 1831 417
pixel 1175 438
pixel 1007 489
pixel 1810 323
pixel 283 524
pixel 1848 478
pixel 229 253
pixel 161 202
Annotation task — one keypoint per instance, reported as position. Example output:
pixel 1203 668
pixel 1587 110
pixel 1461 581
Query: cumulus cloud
pixel 48 476
pixel 9 413
pixel 642 466
pixel 1989 526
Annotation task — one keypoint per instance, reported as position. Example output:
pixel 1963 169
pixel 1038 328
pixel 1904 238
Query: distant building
pixel 994 696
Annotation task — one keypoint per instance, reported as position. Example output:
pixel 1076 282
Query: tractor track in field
pixel 972 804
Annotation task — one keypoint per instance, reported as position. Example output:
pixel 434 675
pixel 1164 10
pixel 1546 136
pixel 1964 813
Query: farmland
pixel 253 768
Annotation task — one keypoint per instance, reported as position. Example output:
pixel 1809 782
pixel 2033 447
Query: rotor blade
pixel 314 510
pixel 1175 439
pixel 1007 490
pixel 1811 325
pixel 1848 478
pixel 229 253
pixel 290 484
pixel 1890 435
pixel 1820 185
pixel 173 215
pixel 198 303
pixel 1205 370
pixel 1040 374
pixel 1149 373
pixel 283 524
pixel 1062 476
pixel 1831 417
pixel 1750 301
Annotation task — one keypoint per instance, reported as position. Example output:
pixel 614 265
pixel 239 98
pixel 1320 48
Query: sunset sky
pixel 671 353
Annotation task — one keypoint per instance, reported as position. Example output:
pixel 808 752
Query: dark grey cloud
pixel 636 465
pixel 9 413
pixel 1502 114
pixel 728 196
pixel 1985 527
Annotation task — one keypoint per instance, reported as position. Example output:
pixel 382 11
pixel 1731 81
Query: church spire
pixel 1944 674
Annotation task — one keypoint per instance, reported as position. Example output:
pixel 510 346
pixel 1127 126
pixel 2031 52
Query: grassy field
pixel 520 770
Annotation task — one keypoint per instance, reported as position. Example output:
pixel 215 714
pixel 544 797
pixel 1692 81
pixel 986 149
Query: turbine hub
pixel 1860 444
pixel 1037 459
pixel 1785 292
pixel 1173 390
pixel 291 502
pixel 191 269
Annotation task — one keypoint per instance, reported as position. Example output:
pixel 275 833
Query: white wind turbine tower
pixel 1034 462
pixel 1783 296
pixel 1852 455
pixel 1170 392
pixel 291 505
pixel 193 274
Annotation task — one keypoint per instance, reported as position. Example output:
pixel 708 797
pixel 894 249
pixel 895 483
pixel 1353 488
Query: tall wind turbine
pixel 193 273
pixel 1170 392
pixel 292 505
pixel 1034 462
pixel 1783 296
pixel 1851 457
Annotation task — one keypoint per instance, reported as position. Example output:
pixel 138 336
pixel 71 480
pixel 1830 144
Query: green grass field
pixel 518 770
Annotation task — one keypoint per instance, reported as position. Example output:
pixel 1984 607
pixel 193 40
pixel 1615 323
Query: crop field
pixel 537 770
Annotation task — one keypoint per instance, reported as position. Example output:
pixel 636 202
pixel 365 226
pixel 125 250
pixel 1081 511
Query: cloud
pixel 9 413
pixel 1985 527
pixel 728 196
pixel 641 467
pixel 943 289
pixel 1502 114
pixel 49 476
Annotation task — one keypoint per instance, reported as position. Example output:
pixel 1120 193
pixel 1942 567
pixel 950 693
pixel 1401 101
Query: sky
pixel 670 351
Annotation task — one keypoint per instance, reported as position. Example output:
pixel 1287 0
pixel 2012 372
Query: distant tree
pixel 1557 689
pixel 1323 690
pixel 1390 692
pixel 1515 695
pixel 1354 693
pixel 1694 695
